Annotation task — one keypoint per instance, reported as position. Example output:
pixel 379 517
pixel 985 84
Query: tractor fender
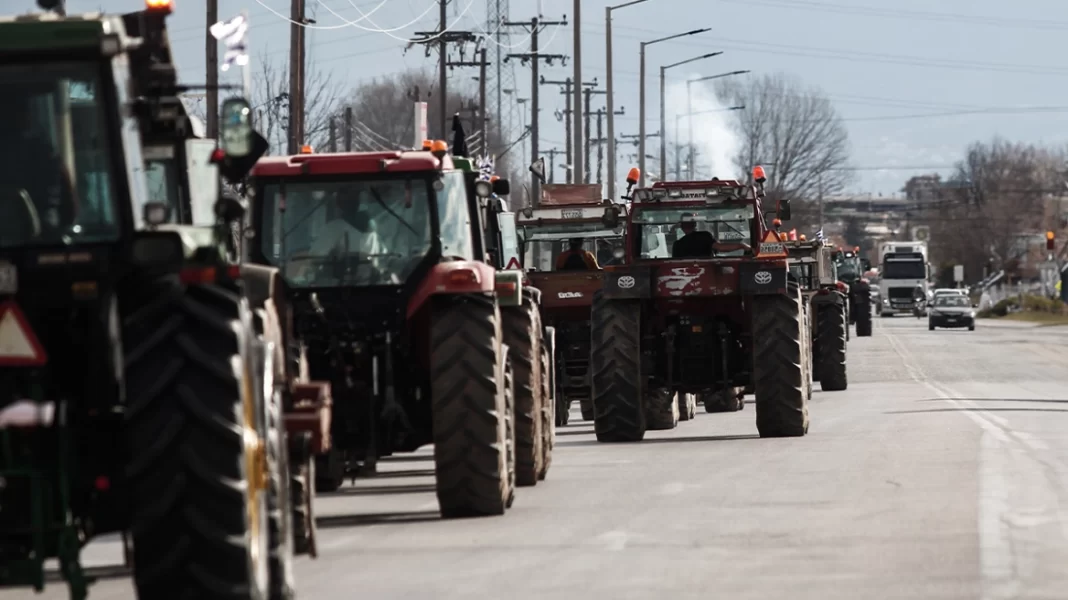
pixel 454 278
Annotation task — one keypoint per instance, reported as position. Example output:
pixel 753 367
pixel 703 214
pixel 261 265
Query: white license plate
pixel 572 214
pixel 9 278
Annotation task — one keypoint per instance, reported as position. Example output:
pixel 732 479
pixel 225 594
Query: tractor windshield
pixel 848 269
pixel 55 173
pixel 659 228
pixel 364 232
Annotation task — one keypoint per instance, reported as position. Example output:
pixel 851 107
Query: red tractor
pixel 704 305
pixel 386 258
pixel 569 214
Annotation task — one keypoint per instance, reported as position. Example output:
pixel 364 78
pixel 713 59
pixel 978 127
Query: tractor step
pixel 312 404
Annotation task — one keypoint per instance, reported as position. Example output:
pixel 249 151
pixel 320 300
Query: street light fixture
pixel 611 106
pixel 641 98
pixel 663 117
pixel 689 106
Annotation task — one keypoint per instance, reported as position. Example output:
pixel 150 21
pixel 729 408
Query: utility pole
pixel 578 168
pixel 296 77
pixel 442 38
pixel 553 153
pixel 333 134
pixel 348 129
pixel 588 92
pixel 601 141
pixel 819 183
pixel 534 57
pixel 480 123
pixel 565 116
pixel 211 63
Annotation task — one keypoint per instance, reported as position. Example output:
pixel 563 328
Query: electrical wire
pixel 379 28
pixel 389 32
pixel 310 25
pixel 910 15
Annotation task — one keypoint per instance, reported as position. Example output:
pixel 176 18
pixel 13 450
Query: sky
pixel 915 82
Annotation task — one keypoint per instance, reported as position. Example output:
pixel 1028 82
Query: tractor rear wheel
pixel 469 406
pixel 522 335
pixel 780 364
pixel 197 477
pixel 302 495
pixel 661 410
pixel 831 345
pixel 548 416
pixel 617 382
pixel 272 365
pixel 728 400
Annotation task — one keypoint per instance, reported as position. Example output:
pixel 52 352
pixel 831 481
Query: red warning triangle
pixel 19 346
pixel 513 263
pixel 772 246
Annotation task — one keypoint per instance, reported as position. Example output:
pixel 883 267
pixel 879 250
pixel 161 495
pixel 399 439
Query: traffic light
pixel 1051 242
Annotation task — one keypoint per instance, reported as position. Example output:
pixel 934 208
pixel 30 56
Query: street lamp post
pixel 689 107
pixel 663 117
pixel 610 105
pixel 641 98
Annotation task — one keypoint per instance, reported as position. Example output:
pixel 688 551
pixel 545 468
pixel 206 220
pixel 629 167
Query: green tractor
pixel 851 268
pixel 138 388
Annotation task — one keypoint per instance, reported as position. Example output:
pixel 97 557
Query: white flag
pixel 233 33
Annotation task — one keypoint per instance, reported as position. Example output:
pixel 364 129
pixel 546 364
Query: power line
pixel 910 15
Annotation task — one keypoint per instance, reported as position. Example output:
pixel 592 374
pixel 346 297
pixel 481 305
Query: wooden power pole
pixel 296 77
pixel 211 65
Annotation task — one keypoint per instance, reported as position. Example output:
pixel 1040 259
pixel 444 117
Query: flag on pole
pixel 233 33
pixel 819 235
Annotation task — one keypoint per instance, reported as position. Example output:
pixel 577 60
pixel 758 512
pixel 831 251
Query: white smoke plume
pixel 715 141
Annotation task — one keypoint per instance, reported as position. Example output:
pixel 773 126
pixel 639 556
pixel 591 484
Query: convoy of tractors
pixel 187 367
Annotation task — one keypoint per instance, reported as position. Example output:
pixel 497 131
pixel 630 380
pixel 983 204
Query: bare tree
pixel 997 196
pixel 793 130
pixel 270 103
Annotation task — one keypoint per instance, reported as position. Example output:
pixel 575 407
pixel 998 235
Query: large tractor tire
pixel 548 413
pixel 830 360
pixel 687 406
pixel 272 365
pixel 586 406
pixel 617 382
pixel 728 400
pixel 471 424
pixel 198 482
pixel 302 496
pixel 522 334
pixel 661 410
pixel 864 325
pixel 780 364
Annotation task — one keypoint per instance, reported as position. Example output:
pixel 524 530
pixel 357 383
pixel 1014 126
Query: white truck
pixel 904 266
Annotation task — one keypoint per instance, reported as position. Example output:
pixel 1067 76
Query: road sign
pixel 19 347
pixel 921 233
pixel 958 273
pixel 513 264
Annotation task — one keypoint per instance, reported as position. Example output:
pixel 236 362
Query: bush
pixel 1039 304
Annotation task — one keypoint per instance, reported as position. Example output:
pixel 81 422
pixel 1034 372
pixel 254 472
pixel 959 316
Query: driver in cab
pixel 693 243
pixel 351 231
pixel 575 258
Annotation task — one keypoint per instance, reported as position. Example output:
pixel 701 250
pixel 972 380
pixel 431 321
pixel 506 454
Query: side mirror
pixel 235 128
pixel 160 251
pixel 783 211
pixel 865 264
pixel 610 218
pixel 501 187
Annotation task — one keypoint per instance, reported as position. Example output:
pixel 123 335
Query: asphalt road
pixel 941 473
